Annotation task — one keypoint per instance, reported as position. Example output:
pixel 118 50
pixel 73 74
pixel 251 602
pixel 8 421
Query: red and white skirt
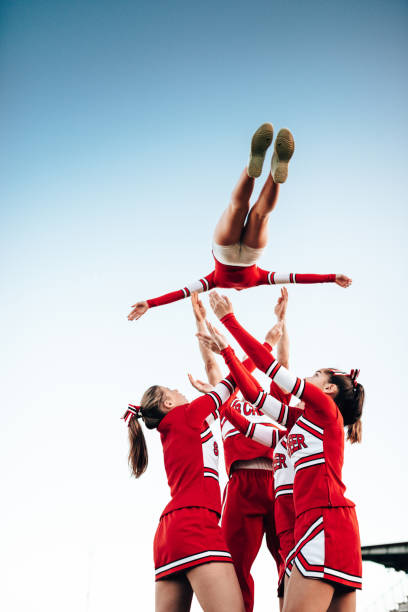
pixel 286 541
pixel 327 546
pixel 185 538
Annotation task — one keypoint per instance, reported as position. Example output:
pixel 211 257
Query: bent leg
pixel 216 587
pixel 307 594
pixel 343 602
pixel 255 234
pixel 173 595
pixel 229 228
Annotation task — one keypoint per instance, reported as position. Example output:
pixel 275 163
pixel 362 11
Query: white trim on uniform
pixel 203 555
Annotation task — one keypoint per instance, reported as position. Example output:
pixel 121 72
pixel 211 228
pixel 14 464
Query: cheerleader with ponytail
pixel 190 554
pixel 325 562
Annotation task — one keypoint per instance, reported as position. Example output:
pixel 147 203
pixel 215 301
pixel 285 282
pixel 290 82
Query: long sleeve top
pixel 238 277
pixel 190 454
pixel 315 440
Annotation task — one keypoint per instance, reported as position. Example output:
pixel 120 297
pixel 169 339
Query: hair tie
pixel 354 375
pixel 132 412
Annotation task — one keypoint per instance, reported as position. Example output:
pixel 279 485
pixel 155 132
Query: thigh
pixel 307 594
pixel 343 602
pixel 173 595
pixel 216 587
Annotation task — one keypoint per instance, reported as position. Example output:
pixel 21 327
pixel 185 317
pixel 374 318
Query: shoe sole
pixel 260 143
pixel 284 148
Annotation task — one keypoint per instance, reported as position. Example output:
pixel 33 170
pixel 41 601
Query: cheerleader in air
pixel 248 501
pixel 190 553
pixel 326 557
pixel 241 233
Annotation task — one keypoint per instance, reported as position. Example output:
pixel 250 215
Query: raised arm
pixel 212 368
pixel 265 434
pixel 266 362
pixel 282 348
pixel 277 278
pixel 210 403
pixel 203 284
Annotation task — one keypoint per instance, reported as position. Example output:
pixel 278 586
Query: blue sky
pixel 124 128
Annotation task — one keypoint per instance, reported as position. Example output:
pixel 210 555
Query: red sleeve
pixel 319 402
pixel 246 382
pixel 254 349
pixel 249 364
pixel 203 284
pixel 277 392
pixel 199 409
pixel 277 278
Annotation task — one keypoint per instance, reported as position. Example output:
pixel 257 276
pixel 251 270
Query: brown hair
pixel 349 400
pixel 151 415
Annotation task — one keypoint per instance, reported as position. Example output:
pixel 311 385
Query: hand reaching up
pixel 220 304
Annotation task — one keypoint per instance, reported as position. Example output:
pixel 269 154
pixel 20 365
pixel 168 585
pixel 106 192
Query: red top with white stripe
pixel 238 277
pixel 190 452
pixel 283 471
pixel 316 440
pixel 237 446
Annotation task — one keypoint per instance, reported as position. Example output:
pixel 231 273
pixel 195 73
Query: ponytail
pixel 150 412
pixel 349 400
pixel 138 457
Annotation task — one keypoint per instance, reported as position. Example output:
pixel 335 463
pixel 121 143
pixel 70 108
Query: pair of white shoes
pixel 283 151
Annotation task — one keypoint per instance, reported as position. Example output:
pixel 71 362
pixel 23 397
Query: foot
pixel 284 148
pixel 260 143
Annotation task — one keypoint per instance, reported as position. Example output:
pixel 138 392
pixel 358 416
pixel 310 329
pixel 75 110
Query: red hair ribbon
pixel 132 412
pixel 353 375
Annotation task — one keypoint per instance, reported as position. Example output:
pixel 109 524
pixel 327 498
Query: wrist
pixel 226 317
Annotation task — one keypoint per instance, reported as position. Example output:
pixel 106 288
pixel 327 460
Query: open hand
pixel 216 336
pixel 343 280
pixel 138 310
pixel 198 308
pixel 220 304
pixel 282 304
pixel 201 386
pixel 274 334
pixel 210 344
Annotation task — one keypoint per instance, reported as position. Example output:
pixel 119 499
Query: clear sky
pixel 124 126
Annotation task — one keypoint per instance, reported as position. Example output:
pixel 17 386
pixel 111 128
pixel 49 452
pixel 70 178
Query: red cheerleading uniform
pixel 188 533
pixel 247 510
pixel 283 475
pixel 238 277
pixel 324 516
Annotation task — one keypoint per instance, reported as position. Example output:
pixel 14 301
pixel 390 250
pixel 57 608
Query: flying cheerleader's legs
pixel 229 228
pixel 240 243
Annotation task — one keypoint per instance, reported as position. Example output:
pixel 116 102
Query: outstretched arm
pixel 203 284
pixel 250 388
pixel 268 435
pixel 277 278
pixel 210 403
pixel 311 394
pixel 212 368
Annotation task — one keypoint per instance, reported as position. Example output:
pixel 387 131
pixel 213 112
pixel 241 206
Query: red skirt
pixel 327 546
pixel 286 541
pixel 185 538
